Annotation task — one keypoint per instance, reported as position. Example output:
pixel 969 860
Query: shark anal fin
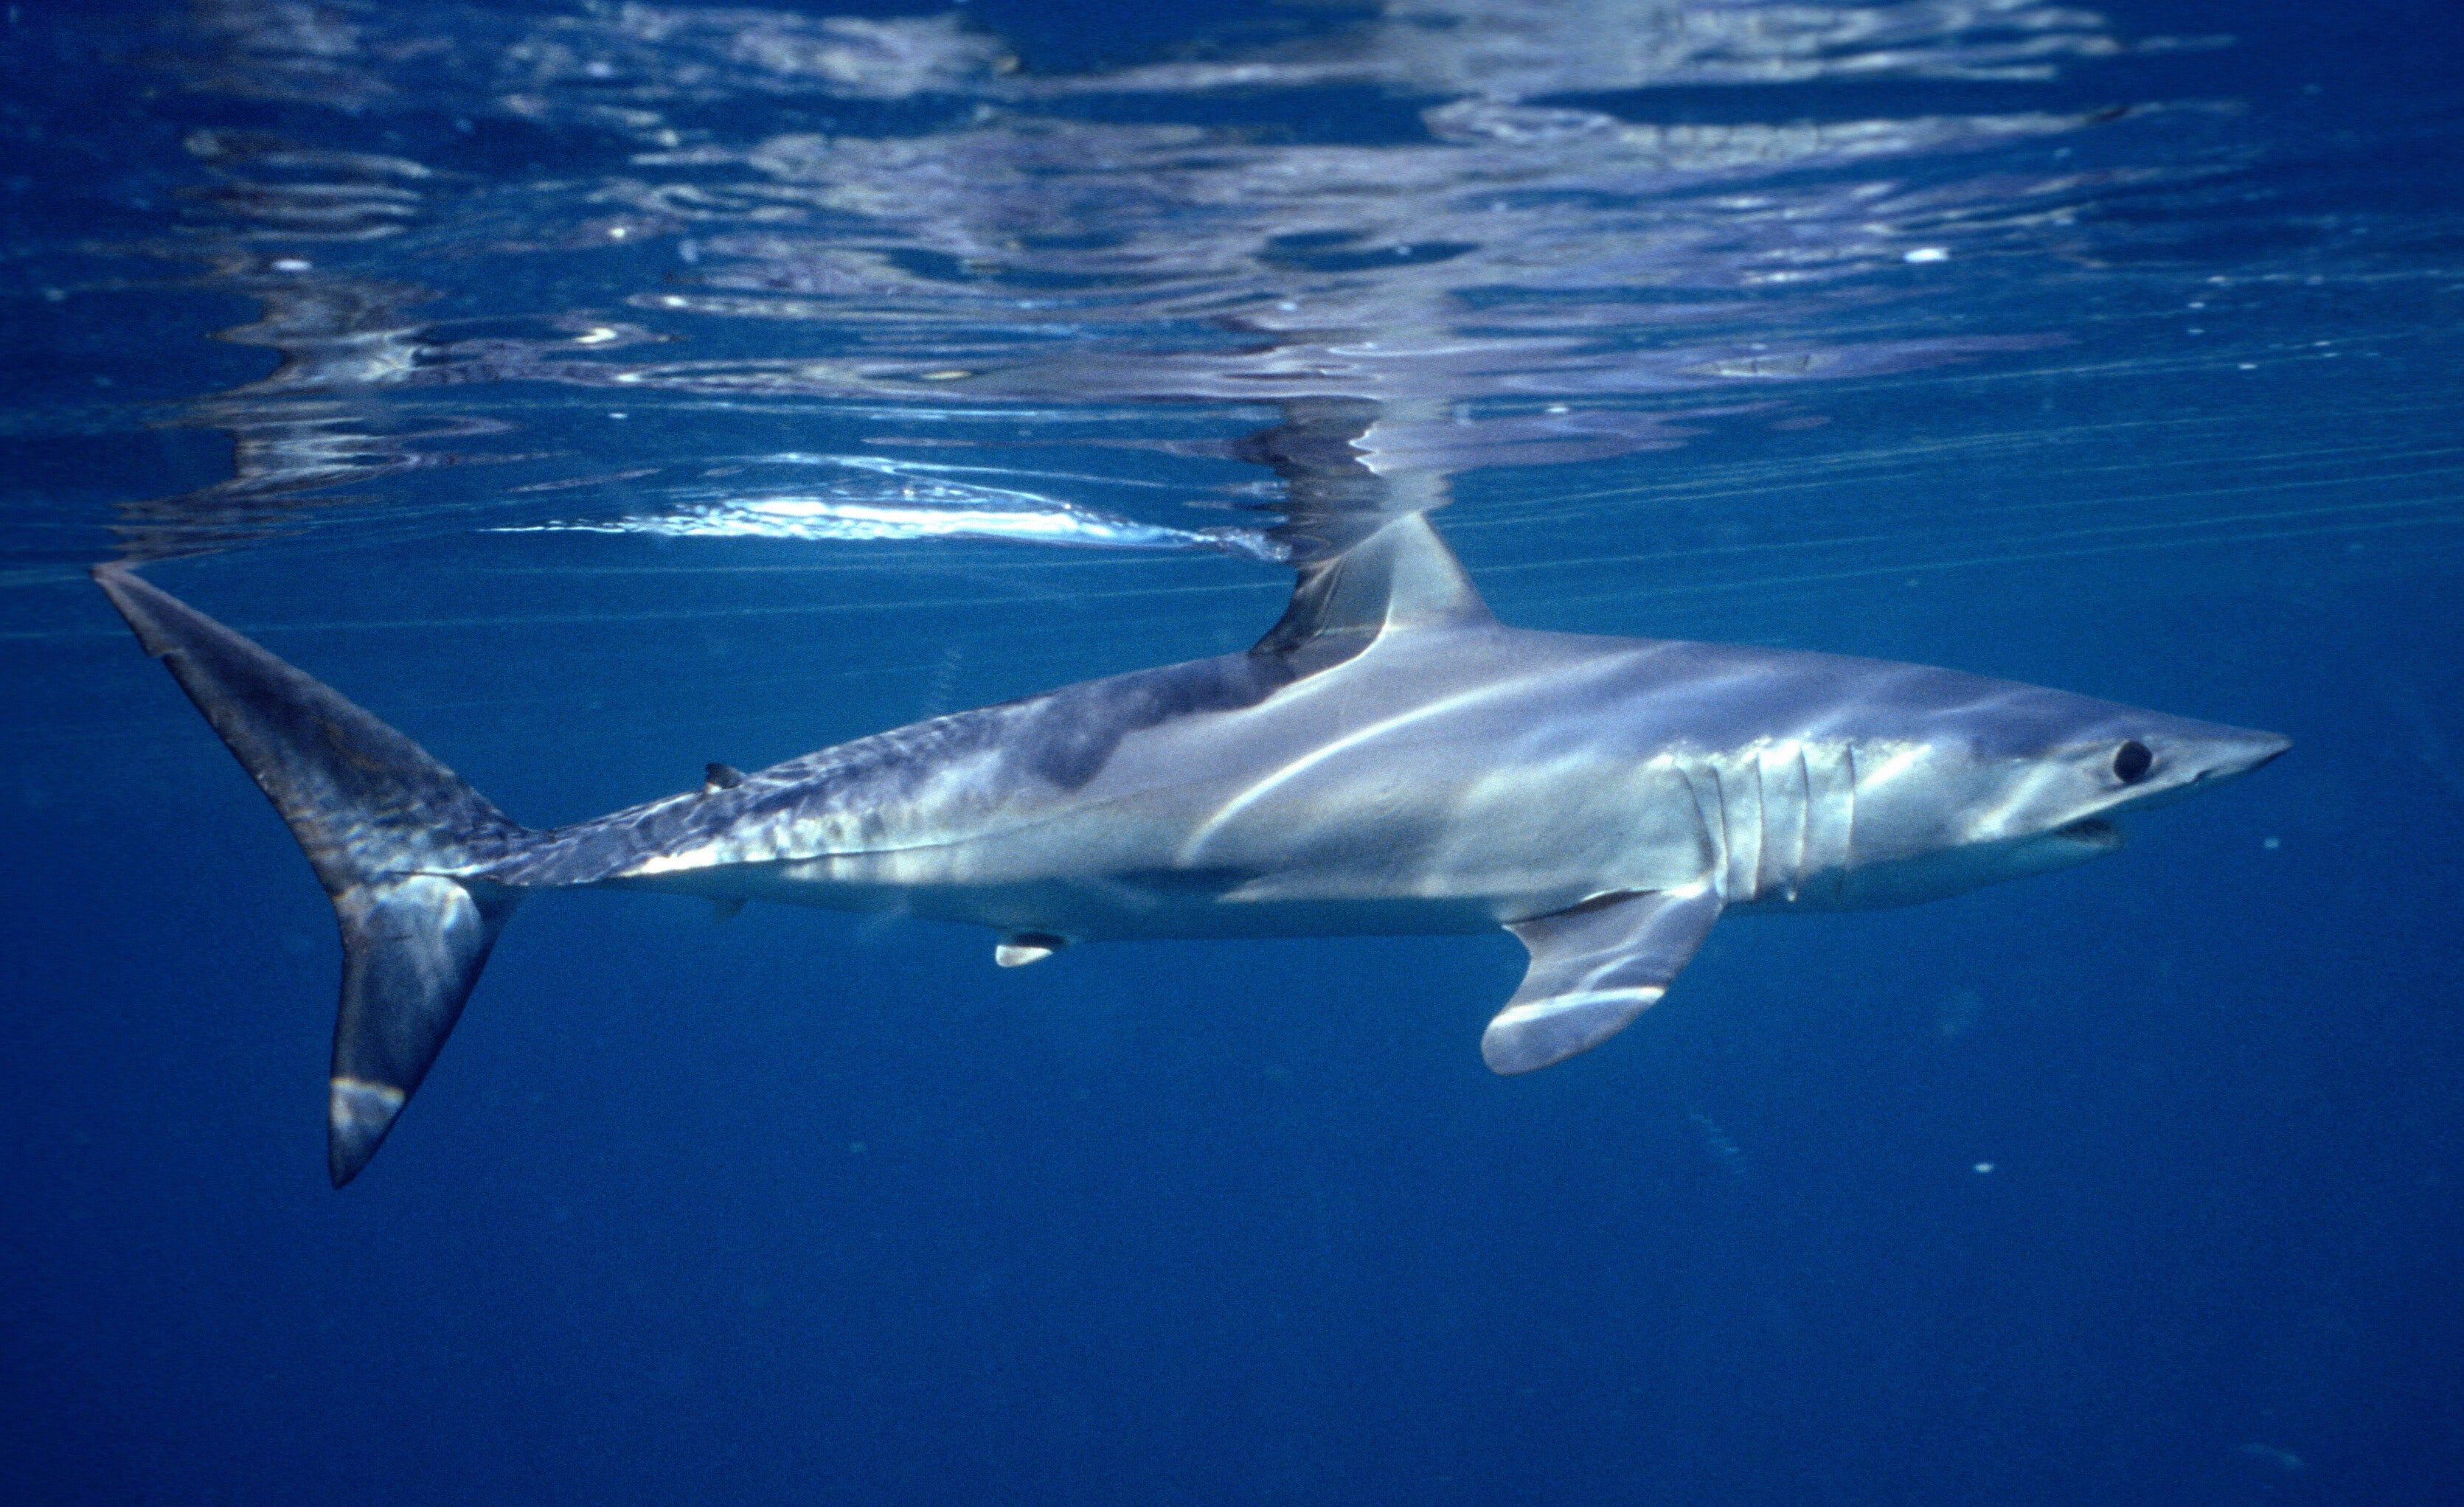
pixel 1594 969
pixel 715 778
pixel 726 908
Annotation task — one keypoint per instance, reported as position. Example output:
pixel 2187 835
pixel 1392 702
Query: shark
pixel 1389 758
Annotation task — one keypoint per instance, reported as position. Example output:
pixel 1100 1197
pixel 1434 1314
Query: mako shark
pixel 1388 758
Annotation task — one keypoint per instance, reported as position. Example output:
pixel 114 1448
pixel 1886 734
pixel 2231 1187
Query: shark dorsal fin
pixel 1400 577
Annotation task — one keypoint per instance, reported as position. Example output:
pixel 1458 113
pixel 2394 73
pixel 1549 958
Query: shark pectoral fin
pixel 1594 969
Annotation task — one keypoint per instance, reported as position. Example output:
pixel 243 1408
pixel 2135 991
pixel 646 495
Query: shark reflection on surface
pixel 833 518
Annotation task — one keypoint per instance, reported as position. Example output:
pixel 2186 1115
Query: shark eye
pixel 2131 762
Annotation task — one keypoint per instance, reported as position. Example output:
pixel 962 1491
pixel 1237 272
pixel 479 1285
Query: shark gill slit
pixel 1715 827
pixel 1804 819
pixel 1753 814
pixel 1722 849
pixel 1772 874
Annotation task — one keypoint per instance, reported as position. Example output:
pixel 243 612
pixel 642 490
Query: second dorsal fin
pixel 1401 576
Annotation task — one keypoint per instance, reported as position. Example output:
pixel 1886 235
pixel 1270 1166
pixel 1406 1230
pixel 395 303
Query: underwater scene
pixel 1115 650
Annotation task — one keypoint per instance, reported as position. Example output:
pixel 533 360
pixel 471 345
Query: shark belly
pixel 1348 851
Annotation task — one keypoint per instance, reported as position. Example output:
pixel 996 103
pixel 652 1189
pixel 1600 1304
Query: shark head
pixel 2022 780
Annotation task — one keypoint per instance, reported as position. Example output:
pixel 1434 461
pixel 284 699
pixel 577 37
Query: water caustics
pixel 1540 234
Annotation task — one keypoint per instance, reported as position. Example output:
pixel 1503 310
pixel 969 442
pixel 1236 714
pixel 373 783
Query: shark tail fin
pixel 393 835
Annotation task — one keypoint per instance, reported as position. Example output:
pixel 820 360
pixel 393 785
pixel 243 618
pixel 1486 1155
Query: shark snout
pixel 2191 759
pixel 2206 759
pixel 2229 758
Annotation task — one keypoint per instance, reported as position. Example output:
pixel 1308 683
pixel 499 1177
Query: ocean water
pixel 596 390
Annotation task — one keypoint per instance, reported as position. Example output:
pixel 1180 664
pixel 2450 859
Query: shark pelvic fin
pixel 1400 577
pixel 1594 969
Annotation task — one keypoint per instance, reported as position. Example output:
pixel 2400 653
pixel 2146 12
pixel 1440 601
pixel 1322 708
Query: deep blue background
pixel 813 1209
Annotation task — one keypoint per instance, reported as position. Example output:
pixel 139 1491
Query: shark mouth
pixel 2094 831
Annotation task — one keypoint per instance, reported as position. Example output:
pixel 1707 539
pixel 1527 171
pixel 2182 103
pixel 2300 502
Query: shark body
pixel 1389 758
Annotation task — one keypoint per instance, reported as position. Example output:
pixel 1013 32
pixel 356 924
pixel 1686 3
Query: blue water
pixel 596 391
